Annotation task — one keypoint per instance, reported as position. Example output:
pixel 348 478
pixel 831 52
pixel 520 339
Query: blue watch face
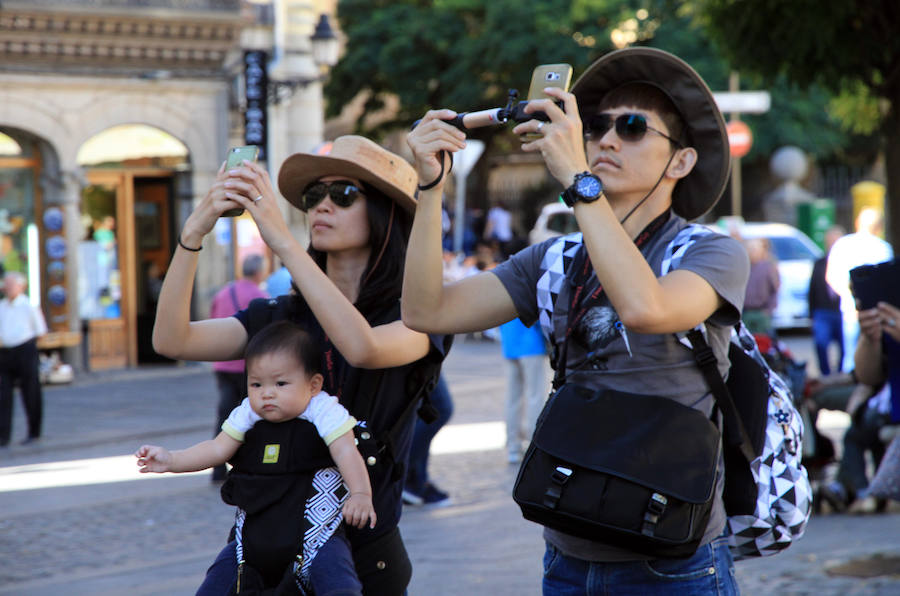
pixel 588 186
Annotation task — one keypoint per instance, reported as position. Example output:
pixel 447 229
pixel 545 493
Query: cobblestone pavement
pixel 156 537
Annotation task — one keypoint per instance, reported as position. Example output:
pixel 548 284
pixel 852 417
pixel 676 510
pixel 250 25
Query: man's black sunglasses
pixel 629 127
pixel 342 193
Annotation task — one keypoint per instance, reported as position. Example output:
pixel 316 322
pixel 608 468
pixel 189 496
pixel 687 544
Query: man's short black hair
pixel 285 336
pixel 646 96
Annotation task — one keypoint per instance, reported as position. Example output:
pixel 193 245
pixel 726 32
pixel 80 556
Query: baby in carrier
pixel 290 504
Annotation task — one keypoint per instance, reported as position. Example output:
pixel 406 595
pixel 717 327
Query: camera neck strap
pixel 580 304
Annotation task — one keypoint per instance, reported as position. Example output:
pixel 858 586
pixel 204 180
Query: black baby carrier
pixel 276 474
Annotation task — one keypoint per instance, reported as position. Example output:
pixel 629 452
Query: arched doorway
pixel 32 231
pixel 20 206
pixel 128 218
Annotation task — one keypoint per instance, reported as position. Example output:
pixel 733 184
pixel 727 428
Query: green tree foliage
pixel 843 46
pixel 466 54
pixel 460 54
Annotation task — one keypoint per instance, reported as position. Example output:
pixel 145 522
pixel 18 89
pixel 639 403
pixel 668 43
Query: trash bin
pixel 867 194
pixel 815 217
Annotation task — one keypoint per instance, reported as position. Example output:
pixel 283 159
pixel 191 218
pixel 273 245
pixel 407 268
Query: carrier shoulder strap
pixel 262 311
pixel 429 372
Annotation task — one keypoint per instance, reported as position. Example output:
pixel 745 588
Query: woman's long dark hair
pixel 382 279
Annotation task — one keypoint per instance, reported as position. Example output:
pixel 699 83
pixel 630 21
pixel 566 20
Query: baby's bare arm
pixel 201 456
pixel 358 507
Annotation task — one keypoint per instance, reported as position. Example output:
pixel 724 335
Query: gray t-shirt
pixel 649 364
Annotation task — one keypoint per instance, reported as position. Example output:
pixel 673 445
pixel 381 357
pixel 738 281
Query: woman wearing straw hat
pixel 347 286
pixel 640 149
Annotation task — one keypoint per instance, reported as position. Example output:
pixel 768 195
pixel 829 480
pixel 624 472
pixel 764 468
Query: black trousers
pixel 20 364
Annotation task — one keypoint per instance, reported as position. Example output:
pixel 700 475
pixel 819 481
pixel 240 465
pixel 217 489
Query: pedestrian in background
pixel 877 360
pixel 498 227
pixel 231 378
pixel 864 247
pixel 279 282
pixel 825 308
pixel 525 360
pixel 418 488
pixel 762 288
pixel 21 323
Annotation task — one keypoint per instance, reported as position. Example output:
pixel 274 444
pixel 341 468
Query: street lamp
pixel 324 45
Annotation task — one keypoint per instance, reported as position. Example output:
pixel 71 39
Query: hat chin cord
pixel 647 196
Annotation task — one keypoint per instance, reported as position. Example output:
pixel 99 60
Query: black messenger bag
pixel 631 470
pixel 635 471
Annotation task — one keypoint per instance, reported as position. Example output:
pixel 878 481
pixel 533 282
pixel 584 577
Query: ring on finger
pixel 258 199
pixel 891 322
pixel 540 125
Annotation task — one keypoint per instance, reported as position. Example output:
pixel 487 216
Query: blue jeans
pixel 851 336
pixel 827 327
pixel 709 571
pixel 332 572
pixel 417 475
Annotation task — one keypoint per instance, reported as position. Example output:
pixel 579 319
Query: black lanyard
pixel 580 280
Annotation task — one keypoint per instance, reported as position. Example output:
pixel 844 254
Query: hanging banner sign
pixel 256 89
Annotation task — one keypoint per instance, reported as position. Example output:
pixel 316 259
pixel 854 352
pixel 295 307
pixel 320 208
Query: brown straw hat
pixel 699 191
pixel 354 157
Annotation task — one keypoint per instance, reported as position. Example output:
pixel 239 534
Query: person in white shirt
pixel 21 324
pixel 499 227
pixel 864 247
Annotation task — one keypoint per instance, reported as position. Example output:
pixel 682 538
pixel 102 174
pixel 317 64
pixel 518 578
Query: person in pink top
pixel 231 377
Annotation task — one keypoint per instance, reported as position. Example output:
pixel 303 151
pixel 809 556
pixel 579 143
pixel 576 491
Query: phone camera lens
pixel 552 76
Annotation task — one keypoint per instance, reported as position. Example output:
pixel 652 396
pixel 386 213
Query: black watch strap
pixel 570 195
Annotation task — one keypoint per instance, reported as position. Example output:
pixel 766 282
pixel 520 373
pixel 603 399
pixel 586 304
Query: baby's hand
pixel 357 509
pixel 153 459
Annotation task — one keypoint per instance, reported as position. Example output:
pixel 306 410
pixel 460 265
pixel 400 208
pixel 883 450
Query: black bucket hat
pixel 699 191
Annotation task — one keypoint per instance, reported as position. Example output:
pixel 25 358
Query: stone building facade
pixel 114 117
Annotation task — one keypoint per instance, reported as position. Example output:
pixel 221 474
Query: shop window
pixel 100 283
pixel 9 147
pixel 18 233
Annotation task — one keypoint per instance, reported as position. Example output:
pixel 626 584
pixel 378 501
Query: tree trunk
pixel 892 166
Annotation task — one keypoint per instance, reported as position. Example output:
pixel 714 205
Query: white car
pixel 795 253
pixel 555 219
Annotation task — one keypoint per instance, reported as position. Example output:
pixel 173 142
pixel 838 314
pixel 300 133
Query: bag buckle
pixel 655 508
pixel 559 477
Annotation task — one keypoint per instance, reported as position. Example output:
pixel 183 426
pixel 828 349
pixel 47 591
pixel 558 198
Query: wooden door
pixel 107 257
pixel 107 341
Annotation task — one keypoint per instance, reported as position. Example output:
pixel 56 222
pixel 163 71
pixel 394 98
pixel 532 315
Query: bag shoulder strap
pixel 553 271
pixel 706 360
pixel 736 434
pixel 232 289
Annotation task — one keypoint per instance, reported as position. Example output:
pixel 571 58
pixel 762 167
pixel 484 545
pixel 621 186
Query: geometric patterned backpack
pixel 767 493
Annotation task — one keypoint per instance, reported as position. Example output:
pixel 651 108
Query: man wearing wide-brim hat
pixel 639 149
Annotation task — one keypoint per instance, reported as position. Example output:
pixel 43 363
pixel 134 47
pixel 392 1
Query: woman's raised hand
pixel 250 187
pixel 428 139
pixel 203 218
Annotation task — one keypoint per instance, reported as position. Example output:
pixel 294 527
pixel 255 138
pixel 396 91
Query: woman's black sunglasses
pixel 629 127
pixel 342 193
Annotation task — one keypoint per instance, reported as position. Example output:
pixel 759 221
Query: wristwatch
pixel 587 188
